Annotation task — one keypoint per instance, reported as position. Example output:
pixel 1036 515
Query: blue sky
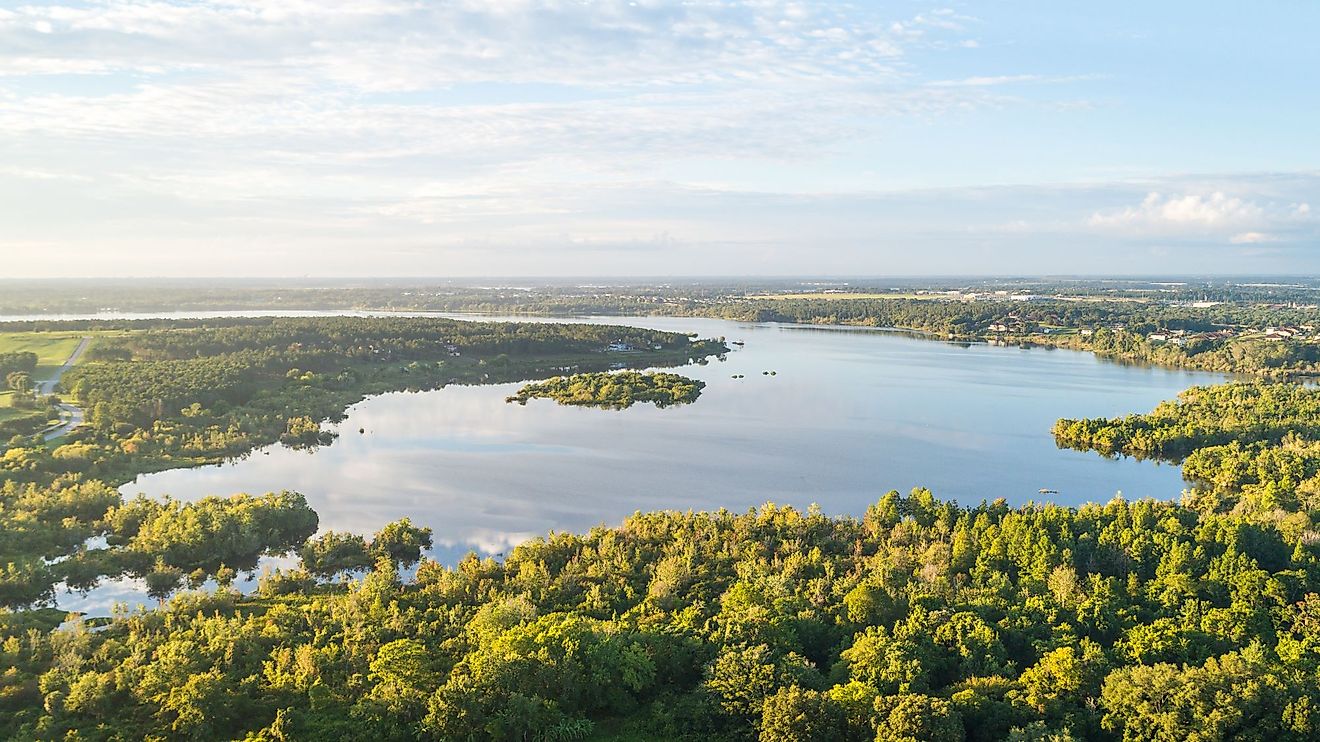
pixel 513 137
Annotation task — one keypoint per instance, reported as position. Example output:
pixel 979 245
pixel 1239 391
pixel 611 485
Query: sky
pixel 732 137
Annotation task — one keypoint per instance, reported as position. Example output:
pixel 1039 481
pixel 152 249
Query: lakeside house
pixel 1282 333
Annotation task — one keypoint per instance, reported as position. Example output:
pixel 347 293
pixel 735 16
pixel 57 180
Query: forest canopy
pixel 614 391
pixel 922 620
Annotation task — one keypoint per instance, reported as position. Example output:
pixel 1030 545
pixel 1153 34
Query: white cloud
pixel 981 81
pixel 389 46
pixel 1198 211
pixel 1208 214
pixel 1253 238
pixel 299 128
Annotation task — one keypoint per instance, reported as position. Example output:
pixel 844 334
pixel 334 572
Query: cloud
pixel 982 81
pixel 304 133
pixel 383 45
pixel 150 91
pixel 1253 238
pixel 1194 210
pixel 1239 220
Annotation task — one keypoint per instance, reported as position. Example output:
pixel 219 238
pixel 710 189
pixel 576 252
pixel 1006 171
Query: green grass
pixel 52 348
pixel 8 412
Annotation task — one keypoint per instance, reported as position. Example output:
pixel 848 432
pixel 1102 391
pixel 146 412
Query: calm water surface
pixel 849 415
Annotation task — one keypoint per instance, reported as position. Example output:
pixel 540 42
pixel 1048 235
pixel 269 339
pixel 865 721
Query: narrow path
pixel 47 387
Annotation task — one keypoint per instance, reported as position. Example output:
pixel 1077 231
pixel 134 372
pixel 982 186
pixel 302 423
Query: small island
pixel 615 391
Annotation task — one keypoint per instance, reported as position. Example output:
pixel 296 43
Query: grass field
pixel 7 411
pixel 52 348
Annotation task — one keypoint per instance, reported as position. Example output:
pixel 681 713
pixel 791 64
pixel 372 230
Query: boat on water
pixel 1045 491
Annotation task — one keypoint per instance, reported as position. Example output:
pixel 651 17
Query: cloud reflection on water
pixel 848 416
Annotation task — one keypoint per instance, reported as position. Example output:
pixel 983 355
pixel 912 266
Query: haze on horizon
pixel 742 137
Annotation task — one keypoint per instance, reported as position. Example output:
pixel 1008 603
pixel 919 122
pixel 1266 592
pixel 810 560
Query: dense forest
pixel 613 390
pixel 921 620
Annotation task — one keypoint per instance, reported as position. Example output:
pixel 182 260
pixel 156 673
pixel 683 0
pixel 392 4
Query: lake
pixel 848 415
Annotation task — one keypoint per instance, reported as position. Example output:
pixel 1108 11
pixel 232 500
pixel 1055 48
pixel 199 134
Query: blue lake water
pixel 849 414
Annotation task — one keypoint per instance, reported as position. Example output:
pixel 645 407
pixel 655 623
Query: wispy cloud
pixel 153 135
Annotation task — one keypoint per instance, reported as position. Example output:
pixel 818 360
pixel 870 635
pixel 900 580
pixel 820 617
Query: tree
pixel 19 381
pixel 916 718
pixel 796 714
pixel 405 677
pixel 215 531
pixel 743 677
pixel 1064 678
pixel 334 552
pixel 1240 695
pixel 401 542
pixel 162 581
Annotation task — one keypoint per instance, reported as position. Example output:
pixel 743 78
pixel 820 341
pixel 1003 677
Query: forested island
pixel 614 391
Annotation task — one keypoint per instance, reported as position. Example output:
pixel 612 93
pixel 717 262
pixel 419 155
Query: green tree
pixel 795 714
pixel 334 552
pixel 916 718
pixel 401 542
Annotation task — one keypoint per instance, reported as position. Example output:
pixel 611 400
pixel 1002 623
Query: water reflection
pixel 849 415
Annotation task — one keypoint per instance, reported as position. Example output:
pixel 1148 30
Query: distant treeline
pixel 606 296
